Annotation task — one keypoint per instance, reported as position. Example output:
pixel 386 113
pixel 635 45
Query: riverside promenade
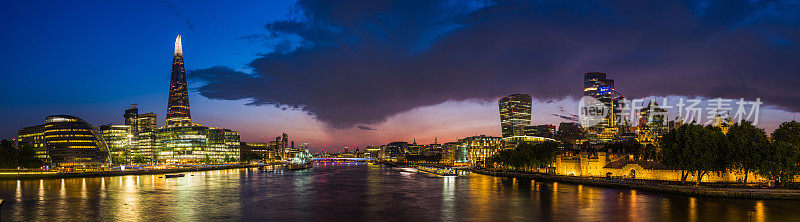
pixel 57 175
pixel 654 186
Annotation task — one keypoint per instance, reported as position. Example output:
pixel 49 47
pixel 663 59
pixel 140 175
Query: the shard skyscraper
pixel 178 106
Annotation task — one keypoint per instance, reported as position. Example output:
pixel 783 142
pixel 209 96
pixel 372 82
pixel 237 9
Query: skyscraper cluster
pixel 515 120
pixel 595 84
pixel 66 141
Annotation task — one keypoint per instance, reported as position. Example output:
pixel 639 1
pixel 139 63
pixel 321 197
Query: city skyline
pixel 143 74
pixel 400 110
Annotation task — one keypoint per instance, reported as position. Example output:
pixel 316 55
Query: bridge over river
pixel 341 160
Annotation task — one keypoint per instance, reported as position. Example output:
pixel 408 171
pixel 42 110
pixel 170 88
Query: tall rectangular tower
pixel 595 84
pixel 132 119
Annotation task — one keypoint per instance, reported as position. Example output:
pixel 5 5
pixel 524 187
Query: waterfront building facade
pixel 196 144
pixel 372 152
pixel 263 150
pixel 120 141
pixel 72 142
pixel 394 150
pixel 145 142
pixel 479 148
pixel 450 153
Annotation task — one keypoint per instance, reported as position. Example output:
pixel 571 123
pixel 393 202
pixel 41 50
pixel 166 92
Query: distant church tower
pixel 178 106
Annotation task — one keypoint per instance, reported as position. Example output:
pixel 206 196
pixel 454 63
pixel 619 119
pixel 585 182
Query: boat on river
pixel 174 175
pixel 298 166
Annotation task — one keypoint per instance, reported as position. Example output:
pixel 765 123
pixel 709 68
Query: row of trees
pixel 745 148
pixel 526 156
pixel 633 147
pixel 11 157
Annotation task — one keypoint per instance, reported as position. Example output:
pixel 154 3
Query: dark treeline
pixel 526 156
pixel 11 157
pixel 744 149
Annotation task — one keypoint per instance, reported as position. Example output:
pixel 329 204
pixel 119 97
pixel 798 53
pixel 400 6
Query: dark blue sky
pixel 320 69
pixel 93 58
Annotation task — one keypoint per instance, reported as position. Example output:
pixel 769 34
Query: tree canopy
pixel 747 145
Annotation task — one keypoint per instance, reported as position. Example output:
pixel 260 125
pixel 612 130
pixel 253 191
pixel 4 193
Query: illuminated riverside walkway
pixel 32 174
pixel 653 186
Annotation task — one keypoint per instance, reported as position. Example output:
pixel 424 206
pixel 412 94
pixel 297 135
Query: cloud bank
pixel 359 62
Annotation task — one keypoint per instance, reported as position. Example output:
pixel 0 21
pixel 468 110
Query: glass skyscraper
pixel 178 104
pixel 515 114
pixel 595 84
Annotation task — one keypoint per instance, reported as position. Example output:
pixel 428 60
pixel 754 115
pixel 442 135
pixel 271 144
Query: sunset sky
pixel 341 73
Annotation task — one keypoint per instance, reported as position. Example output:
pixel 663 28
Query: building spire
pixel 178 48
pixel 178 104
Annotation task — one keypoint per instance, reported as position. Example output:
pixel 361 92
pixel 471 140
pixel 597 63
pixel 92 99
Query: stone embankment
pixel 654 186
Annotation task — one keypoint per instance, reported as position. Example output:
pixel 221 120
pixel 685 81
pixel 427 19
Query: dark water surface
pixel 358 192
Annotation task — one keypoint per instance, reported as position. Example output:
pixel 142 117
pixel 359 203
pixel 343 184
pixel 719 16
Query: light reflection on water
pixel 358 192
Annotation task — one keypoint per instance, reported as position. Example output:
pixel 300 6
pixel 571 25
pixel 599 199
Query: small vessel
pixel 298 166
pixel 174 175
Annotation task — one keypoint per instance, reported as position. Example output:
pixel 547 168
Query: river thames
pixel 358 192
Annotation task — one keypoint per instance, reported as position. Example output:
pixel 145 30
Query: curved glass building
pixel 72 142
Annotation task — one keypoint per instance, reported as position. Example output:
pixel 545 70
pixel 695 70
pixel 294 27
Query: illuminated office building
pixel 146 137
pixel 263 150
pixel 132 119
pixel 372 152
pixel 451 155
pixel 120 142
pixel 33 136
pixel 72 142
pixel 479 148
pixel 196 144
pixel 394 150
pixel 515 114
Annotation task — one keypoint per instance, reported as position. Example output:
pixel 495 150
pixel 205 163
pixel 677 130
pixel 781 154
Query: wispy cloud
pixel 366 128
